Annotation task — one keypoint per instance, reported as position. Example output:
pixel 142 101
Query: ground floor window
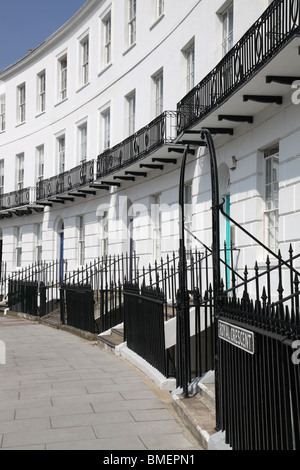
pixel 271 197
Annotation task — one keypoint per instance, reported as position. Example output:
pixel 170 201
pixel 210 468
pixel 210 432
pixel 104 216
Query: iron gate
pixel 77 307
pixel 144 324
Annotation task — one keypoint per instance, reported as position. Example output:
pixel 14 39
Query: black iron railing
pixel 17 198
pixel 144 324
pixel 160 131
pixel 259 44
pixel 73 179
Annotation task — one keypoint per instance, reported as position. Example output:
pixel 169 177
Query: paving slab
pixel 59 391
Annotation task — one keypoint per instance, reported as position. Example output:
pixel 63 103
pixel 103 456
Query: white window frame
pixel 42 92
pixel 131 112
pixel 21 90
pixel 159 92
pixel 107 40
pixel 84 60
pixel 160 5
pixel 190 64
pixel 271 184
pixel 188 213
pixel 40 153
pixel 20 171
pixel 2 113
pixel 63 77
pixel 104 234
pixel 18 247
pixel 227 16
pixel 106 128
pixel 39 241
pixel 61 153
pixel 157 226
pixel 81 240
pixel 83 142
pixel 2 176
pixel 131 22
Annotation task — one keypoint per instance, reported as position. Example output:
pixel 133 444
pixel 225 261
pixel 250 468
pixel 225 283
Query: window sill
pixel 21 124
pixel 105 69
pixel 40 114
pixel 158 20
pixel 129 48
pixel 60 102
pixel 82 87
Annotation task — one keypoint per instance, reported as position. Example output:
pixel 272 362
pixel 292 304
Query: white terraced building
pixel 92 122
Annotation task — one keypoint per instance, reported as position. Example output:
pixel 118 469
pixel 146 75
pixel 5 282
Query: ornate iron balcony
pixel 278 24
pixel 19 198
pixel 159 132
pixel 73 179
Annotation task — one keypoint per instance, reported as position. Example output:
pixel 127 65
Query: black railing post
pixel 183 320
pixel 215 255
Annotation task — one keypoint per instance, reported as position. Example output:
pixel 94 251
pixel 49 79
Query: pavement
pixel 59 391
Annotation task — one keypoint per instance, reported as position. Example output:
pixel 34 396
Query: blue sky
pixel 27 23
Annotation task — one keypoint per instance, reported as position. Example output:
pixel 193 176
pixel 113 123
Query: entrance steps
pixel 111 339
pixel 198 412
pixel 52 319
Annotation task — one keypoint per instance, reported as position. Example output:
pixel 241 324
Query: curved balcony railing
pixel 160 131
pixel 21 197
pixel 70 180
pixel 278 24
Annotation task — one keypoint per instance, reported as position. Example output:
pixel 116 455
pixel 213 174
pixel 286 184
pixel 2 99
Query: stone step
pixel 110 340
pixel 207 393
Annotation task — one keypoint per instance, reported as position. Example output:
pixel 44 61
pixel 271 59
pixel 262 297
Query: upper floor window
pixel 106 128
pixel 2 113
pixel 63 77
pixel 272 197
pixel 160 7
pixel 42 92
pixel 189 55
pixel 40 162
pixel 21 103
pixel 107 40
pixel 131 22
pixel 1 177
pixel 61 142
pixel 84 60
pixel 20 171
pixel 227 29
pixel 83 142
pixel 131 113
pixel 159 93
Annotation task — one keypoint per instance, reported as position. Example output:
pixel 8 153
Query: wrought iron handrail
pixel 279 22
pixel 160 131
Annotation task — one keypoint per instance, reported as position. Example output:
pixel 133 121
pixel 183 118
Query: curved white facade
pixel 106 74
